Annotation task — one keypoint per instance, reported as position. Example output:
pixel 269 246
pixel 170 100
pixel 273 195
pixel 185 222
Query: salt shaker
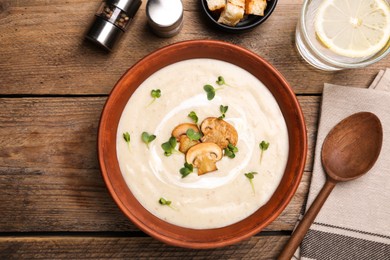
pixel 165 17
pixel 111 21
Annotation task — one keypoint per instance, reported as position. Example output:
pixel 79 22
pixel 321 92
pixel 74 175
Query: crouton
pixel 215 5
pixel 233 12
pixel 255 7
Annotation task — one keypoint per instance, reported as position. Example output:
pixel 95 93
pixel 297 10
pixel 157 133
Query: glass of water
pixel 342 34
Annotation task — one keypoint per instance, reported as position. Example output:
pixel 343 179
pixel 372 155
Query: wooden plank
pixel 49 174
pixel 50 178
pixel 258 247
pixel 43 50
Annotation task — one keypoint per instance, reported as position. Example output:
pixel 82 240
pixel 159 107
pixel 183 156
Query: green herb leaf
pixel 147 138
pixel 233 148
pixel 155 94
pixel 210 90
pixel 250 176
pixel 163 201
pixel 186 170
pixel 194 136
pixel 220 81
pixel 172 141
pixel 223 110
pixel 169 147
pixel 263 147
pixel 230 151
pixel 126 136
pixel 193 116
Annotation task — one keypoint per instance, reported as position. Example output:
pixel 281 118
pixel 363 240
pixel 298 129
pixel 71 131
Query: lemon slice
pixel 353 28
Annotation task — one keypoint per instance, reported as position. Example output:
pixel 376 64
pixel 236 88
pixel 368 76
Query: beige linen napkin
pixel 382 81
pixel 354 222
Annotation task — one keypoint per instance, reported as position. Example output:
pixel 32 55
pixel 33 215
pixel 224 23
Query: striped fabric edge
pixel 380 238
pixel 324 241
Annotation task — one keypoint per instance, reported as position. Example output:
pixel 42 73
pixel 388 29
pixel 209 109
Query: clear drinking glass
pixel 319 56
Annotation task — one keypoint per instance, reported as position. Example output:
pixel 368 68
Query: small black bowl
pixel 248 23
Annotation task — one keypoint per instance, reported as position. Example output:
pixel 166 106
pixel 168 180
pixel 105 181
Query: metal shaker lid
pixel 165 16
pixel 129 6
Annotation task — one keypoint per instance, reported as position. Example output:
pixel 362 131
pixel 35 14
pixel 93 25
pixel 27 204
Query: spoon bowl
pixel 352 147
pixel 349 151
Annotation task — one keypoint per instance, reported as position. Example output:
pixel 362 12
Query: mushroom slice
pixel 204 157
pixel 218 131
pixel 179 132
pixel 186 143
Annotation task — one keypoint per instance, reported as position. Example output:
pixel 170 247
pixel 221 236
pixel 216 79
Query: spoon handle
pixel 305 223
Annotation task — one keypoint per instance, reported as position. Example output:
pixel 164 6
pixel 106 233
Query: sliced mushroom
pixel 204 157
pixel 186 143
pixel 179 132
pixel 218 131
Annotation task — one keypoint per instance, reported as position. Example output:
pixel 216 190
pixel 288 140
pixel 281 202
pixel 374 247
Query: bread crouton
pixel 255 7
pixel 233 12
pixel 215 5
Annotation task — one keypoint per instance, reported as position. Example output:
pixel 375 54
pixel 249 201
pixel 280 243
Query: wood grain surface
pixel 43 50
pixel 258 247
pixel 53 86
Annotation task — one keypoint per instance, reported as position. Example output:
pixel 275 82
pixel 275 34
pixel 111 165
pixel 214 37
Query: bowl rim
pixel 237 29
pixel 187 237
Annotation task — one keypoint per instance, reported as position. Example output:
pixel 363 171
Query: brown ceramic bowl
pixel 206 238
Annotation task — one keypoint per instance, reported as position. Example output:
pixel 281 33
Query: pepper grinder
pixel 165 17
pixel 111 21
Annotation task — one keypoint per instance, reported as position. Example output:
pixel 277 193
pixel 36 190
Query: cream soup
pixel 218 198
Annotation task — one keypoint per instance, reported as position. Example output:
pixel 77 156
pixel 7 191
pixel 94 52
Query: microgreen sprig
pixel 155 94
pixel 194 136
pixel 210 90
pixel 193 116
pixel 223 109
pixel 221 81
pixel 169 147
pixel 165 202
pixel 250 176
pixel 186 170
pixel 126 136
pixel 230 151
pixel 147 138
pixel 263 147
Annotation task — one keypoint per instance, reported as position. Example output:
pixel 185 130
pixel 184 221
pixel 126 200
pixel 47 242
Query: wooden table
pixel 53 85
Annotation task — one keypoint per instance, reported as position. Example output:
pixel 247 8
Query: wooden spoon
pixel 348 152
